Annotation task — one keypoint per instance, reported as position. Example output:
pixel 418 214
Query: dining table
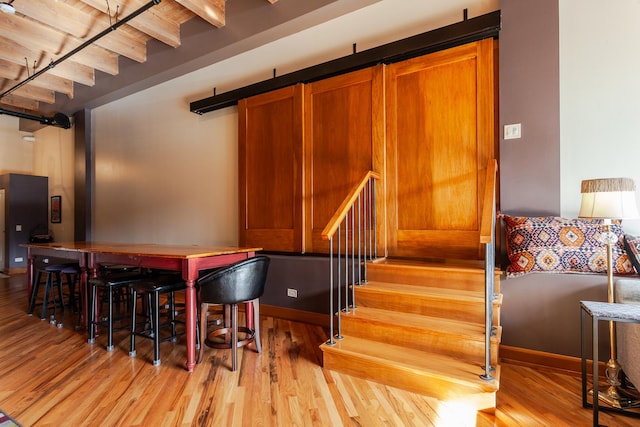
pixel 190 260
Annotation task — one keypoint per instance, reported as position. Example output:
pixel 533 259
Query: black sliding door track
pixel 466 31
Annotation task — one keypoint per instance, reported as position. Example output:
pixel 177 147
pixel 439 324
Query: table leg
pixel 596 392
pixel 583 357
pixel 191 319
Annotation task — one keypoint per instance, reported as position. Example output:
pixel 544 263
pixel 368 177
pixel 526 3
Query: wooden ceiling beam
pixel 211 11
pixel 28 32
pixel 150 22
pixel 15 101
pixel 17 73
pixel 68 17
pixel 16 53
pixel 63 42
pixel 36 93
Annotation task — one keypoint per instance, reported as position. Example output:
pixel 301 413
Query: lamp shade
pixel 609 198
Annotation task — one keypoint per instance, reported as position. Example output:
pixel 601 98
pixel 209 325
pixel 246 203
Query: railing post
pixel 359 240
pixel 362 196
pixel 346 264
pixel 339 334
pixel 375 234
pixel 331 284
pixel 489 294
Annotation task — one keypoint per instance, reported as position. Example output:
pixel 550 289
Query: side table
pixel 601 311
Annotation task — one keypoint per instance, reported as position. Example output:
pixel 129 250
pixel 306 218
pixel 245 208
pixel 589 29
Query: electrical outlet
pixel 19 259
pixel 293 293
pixel 18 227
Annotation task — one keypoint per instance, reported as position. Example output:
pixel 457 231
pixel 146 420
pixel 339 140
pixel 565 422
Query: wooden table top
pixel 145 249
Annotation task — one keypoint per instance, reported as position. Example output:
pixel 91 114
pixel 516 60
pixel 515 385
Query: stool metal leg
pixel 58 283
pixel 92 314
pixel 45 299
pixel 110 320
pixel 35 287
pixel 234 337
pixel 155 308
pixel 256 325
pixel 132 338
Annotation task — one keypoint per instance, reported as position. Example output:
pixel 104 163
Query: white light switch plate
pixel 512 131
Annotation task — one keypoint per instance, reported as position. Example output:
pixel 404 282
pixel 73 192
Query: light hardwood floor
pixel 52 377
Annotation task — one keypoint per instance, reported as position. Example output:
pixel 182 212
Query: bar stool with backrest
pixel 242 282
pixel 149 327
pixel 109 283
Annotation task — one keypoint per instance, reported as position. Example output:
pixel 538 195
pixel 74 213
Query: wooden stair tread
pixel 471 330
pixel 450 274
pixel 436 365
pixel 472 266
pixel 418 290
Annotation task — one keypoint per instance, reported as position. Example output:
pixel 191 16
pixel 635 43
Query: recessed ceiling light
pixel 7 7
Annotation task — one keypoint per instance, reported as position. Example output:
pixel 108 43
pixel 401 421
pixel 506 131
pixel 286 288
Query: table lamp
pixel 607 199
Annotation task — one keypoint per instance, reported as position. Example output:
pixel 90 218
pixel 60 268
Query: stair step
pixel 456 304
pixel 432 273
pixel 446 336
pixel 439 376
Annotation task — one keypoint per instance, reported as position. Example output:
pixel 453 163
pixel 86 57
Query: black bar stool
pixel 110 284
pixel 53 283
pixel 152 288
pixel 72 272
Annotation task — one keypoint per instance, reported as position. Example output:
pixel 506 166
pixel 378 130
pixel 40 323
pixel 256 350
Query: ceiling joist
pixel 40 33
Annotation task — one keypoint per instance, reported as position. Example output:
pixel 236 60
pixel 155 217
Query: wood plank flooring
pixel 52 377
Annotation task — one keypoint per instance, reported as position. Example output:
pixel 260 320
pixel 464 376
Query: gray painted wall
pixel 530 95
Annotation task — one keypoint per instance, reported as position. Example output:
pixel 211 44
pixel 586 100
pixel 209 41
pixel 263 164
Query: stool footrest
pixel 221 337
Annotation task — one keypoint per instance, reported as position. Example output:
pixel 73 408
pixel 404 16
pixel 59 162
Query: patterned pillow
pixel 559 245
pixel 632 246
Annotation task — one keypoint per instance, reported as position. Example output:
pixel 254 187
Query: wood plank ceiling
pixel 40 32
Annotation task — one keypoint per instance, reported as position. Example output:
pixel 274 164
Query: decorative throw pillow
pixel 632 246
pixel 559 245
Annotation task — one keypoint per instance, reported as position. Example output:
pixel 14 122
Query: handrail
pixel 344 208
pixel 486 234
pixel 487 237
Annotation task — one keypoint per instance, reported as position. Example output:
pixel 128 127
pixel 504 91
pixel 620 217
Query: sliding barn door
pixel 344 134
pixel 440 135
pixel 270 170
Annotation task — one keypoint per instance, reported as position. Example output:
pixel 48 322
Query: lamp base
pixel 618 397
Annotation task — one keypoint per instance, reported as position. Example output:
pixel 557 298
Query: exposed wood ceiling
pixel 43 31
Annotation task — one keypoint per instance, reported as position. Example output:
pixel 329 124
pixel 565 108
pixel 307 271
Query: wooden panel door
pixel 344 138
pixel 440 135
pixel 270 170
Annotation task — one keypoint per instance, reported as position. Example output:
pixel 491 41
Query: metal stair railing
pixel 348 266
pixel 488 237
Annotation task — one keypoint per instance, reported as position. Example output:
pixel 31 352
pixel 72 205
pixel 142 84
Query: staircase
pixel 431 327
pixel 419 326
